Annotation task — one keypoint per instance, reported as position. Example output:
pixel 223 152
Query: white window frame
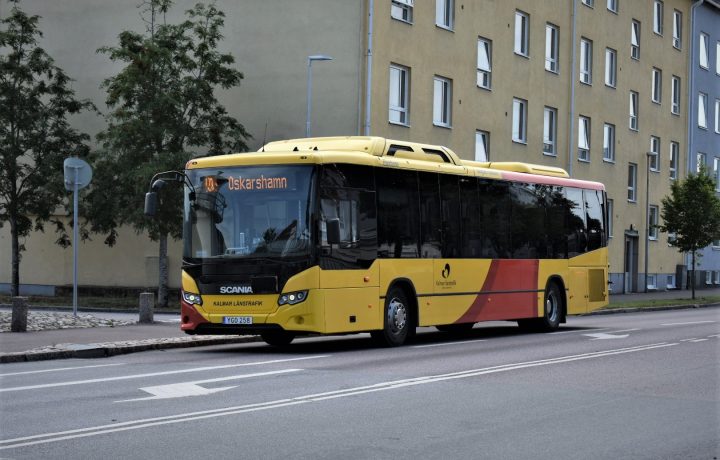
pixel 717 277
pixel 635 39
pixel 552 54
pixel 522 33
pixel 445 14
pixel 484 63
pixel 670 282
pixel 399 95
pixel 677 29
pixel 674 156
pixel 716 173
pixel 702 110
pixel 590 3
pixel 632 183
pixel 442 102
pixel 658 17
pixel 634 121
pixel 519 120
pixel 609 143
pixel 717 116
pixel 652 281
pixel 675 95
pixel 708 277
pixel 610 217
pixel 584 138
pixel 717 57
pixel 653 217
pixel 550 131
pixel 656 89
pixel 610 67
pixel 402 10
pixel 704 51
pixel 655 150
pixel 482 146
pixel 612 5
pixel 586 61
pixel 700 160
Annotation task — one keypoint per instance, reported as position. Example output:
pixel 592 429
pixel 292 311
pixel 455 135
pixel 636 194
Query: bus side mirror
pixel 333 230
pixel 151 202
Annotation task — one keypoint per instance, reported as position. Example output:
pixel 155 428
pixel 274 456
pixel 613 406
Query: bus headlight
pixel 292 298
pixel 192 298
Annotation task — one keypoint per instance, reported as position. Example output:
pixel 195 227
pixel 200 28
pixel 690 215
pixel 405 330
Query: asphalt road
pixel 641 386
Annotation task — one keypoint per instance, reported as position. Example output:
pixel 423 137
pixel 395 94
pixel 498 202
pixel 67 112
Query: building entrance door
pixel 631 261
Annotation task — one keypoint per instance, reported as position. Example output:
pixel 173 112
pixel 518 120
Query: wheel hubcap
pixel 551 307
pixel 397 315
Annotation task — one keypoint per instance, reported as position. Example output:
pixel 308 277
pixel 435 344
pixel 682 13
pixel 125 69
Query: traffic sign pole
pixel 77 175
pixel 75 239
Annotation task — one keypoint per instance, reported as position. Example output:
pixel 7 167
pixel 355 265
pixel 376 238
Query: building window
pixel 702 110
pixel 708 277
pixel 550 131
pixel 658 17
pixel 519 120
pixel 677 29
pixel 442 102
pixel 590 3
pixel 632 183
pixel 652 281
pixel 700 161
pixel 716 173
pixel 672 238
pixel 635 40
pixel 674 155
pixel 717 116
pixel 704 49
pixel 402 10
pixel 675 96
pixel 610 67
pixel 716 244
pixel 583 138
pixel 399 95
pixel 653 230
pixel 612 5
pixel 586 61
pixel 609 142
pixel 655 151
pixel 482 146
pixel 610 218
pixel 484 63
pixel 552 40
pixel 717 58
pixel 522 33
pixel 717 277
pixel 670 283
pixel 445 14
pixel 656 85
pixel 634 110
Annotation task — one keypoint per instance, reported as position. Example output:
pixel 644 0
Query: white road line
pixel 580 331
pixel 447 343
pixel 685 324
pixel 625 330
pixel 694 340
pixel 60 369
pixel 154 374
pixel 390 385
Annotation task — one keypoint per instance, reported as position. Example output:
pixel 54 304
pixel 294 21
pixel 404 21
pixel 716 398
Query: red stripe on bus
pixel 506 276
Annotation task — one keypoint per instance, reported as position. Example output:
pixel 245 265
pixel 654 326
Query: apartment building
pixel 598 87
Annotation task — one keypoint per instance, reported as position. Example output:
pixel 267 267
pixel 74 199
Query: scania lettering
pixel 236 290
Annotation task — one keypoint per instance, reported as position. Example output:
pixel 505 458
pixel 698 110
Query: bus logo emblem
pixel 446 271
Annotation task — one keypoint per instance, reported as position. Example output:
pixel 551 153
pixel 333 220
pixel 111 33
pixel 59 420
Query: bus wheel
pixel 455 328
pixel 553 309
pixel 277 338
pixel 397 322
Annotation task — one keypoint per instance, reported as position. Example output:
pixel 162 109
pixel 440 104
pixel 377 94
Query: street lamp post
pixel 647 214
pixel 310 59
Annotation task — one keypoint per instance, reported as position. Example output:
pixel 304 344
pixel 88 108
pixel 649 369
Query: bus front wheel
pixel 397 322
pixel 278 338
pixel 552 313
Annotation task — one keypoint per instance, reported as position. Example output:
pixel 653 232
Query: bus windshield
pixel 248 212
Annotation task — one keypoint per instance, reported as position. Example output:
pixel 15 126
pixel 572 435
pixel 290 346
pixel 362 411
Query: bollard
pixel 147 304
pixel 19 314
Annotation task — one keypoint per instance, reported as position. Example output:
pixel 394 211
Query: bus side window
pixel 575 230
pixel 398 213
pixel 594 216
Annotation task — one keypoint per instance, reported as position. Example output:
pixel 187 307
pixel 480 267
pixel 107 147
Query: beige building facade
pixel 589 86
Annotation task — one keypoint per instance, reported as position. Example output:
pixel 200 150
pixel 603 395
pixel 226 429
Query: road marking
pixel 447 343
pixel 685 324
pixel 185 389
pixel 155 374
pixel 579 331
pixel 60 369
pixel 694 340
pixel 626 330
pixel 604 336
pixel 280 403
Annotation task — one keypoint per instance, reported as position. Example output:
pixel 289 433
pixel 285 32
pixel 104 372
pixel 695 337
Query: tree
pixel 35 136
pixel 163 104
pixel 692 213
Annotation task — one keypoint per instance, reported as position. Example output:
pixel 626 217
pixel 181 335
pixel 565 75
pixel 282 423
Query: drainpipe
pixel 368 77
pixel 573 79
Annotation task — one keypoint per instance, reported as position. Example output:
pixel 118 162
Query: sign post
pixel 77 174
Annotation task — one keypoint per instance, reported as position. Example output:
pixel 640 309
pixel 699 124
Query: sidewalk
pixel 93 342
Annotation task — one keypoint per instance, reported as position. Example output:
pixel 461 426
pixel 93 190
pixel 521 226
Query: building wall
pixel 706 140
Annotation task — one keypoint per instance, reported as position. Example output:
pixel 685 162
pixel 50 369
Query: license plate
pixel 237 320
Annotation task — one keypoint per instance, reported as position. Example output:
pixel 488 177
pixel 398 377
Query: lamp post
pixel 310 59
pixel 647 213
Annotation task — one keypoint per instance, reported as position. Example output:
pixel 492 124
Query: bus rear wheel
pixel 397 323
pixel 277 338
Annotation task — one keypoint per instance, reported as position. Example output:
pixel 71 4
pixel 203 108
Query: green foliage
pixel 35 136
pixel 692 212
pixel 163 106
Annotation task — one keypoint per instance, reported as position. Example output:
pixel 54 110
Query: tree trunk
pixel 692 275
pixel 163 273
pixel 15 263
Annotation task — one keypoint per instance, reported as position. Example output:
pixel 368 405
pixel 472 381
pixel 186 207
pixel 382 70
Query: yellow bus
pixel 365 234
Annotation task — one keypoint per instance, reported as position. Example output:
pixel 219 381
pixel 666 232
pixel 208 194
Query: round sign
pixel 76 172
